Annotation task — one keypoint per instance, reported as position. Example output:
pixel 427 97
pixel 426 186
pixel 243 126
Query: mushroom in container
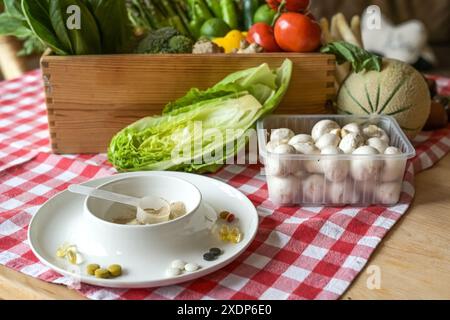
pixel 342 193
pixel 373 131
pixel 350 142
pixel 284 190
pixel 282 135
pixel 394 169
pixel 328 140
pixel 276 166
pixel 351 128
pixel 323 127
pixel 311 166
pixel 314 189
pixel 366 168
pixel 389 193
pixel 301 139
pixel 335 169
pixel 379 144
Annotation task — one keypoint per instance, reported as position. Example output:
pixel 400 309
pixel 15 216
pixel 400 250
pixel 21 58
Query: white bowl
pixel 137 239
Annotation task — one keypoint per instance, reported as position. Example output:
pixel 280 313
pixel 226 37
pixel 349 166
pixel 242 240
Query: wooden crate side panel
pixel 151 82
pixel 96 96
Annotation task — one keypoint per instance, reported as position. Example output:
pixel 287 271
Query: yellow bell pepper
pixel 231 41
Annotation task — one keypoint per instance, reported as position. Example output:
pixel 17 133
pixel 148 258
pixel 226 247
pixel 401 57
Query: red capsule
pixel 227 216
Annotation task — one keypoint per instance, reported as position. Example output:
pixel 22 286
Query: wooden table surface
pixel 413 260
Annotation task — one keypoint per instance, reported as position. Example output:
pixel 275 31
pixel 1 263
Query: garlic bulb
pixel 365 168
pixel 284 190
pixel 335 170
pixel 389 193
pixel 351 142
pixel 276 166
pixel 373 131
pixel 328 140
pixel 342 193
pixel 394 169
pixel 300 139
pixel 323 127
pixel 314 189
pixel 378 144
pixel 282 135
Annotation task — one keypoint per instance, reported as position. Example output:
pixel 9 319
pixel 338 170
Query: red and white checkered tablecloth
pixel 299 253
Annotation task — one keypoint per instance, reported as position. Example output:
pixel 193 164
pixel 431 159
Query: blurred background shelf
pixel 434 13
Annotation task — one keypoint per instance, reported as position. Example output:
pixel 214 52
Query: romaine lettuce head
pixel 198 132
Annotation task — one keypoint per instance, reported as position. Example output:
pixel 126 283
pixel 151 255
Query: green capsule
pixel 115 270
pixel 102 274
pixel 90 269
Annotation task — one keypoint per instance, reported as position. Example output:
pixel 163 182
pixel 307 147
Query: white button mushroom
pixel 306 148
pixel 373 131
pixel 389 193
pixel 314 190
pixel 378 144
pixel 335 170
pixel 284 190
pixel 270 147
pixel 328 140
pixel 337 132
pixel 342 193
pixel 351 128
pixel 350 142
pixel 277 166
pixel 394 169
pixel 300 139
pixel 282 135
pixel 323 127
pixel 365 168
pixel 311 166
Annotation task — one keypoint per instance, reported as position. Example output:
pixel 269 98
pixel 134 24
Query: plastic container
pixel 334 180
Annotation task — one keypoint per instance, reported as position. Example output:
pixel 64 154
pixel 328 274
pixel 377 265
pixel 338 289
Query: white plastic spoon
pixel 160 206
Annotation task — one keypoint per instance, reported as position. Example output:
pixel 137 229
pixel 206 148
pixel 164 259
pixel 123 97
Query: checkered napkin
pixel 298 253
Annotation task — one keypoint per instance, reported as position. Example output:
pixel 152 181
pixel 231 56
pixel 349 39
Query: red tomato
pixel 291 5
pixel 295 32
pixel 262 34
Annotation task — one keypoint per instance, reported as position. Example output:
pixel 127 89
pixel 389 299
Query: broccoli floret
pixel 165 40
pixel 180 44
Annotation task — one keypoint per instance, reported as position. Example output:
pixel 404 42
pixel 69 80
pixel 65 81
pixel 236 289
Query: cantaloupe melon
pixel 398 90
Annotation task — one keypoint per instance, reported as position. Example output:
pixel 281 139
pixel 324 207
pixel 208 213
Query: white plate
pixel 61 219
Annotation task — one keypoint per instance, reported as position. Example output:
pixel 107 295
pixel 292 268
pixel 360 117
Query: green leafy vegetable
pixel 360 59
pixel 14 8
pixel 37 15
pixel 114 24
pixel 13 26
pixel 105 26
pixel 13 23
pixel 225 113
pixel 58 18
pixel 87 39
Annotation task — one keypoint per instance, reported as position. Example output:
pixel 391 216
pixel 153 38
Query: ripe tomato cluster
pixel 294 29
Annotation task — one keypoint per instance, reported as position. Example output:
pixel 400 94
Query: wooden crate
pixel 90 98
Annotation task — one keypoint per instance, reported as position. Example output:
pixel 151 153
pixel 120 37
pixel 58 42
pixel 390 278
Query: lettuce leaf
pixel 198 132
